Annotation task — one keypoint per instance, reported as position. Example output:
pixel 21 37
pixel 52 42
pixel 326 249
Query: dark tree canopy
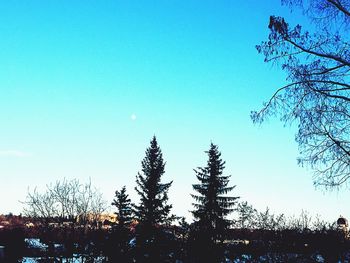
pixel 212 205
pixel 123 205
pixel 153 208
pixel 317 93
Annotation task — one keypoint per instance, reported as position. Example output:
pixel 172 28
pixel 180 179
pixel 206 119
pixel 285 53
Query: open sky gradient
pixel 84 85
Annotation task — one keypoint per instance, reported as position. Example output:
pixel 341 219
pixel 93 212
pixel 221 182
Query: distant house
pixel 104 220
pixel 343 225
pixel 109 217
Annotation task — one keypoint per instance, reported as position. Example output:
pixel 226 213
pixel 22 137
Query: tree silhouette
pixel 68 200
pixel 153 209
pixel 118 245
pixel 211 204
pixel 317 92
pixel 123 205
pixel 247 215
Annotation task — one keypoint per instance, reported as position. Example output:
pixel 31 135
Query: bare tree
pixel 317 94
pixel 67 200
pixel 319 224
pixel 66 195
pixel 301 223
pixel 247 215
pixel 269 221
pixel 98 205
pixel 40 205
pixel 281 222
pixel 305 220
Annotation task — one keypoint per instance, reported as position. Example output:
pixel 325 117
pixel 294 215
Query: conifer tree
pixel 153 208
pixel 123 205
pixel 211 203
pixel 117 245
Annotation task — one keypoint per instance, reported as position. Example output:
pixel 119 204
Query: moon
pixel 133 117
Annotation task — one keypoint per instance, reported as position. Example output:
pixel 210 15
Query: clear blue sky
pixel 75 74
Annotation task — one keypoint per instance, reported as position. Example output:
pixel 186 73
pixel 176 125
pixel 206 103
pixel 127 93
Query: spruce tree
pixel 123 205
pixel 117 244
pixel 153 210
pixel 211 203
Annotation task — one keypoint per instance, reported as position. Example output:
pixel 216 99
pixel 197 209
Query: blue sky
pixel 73 73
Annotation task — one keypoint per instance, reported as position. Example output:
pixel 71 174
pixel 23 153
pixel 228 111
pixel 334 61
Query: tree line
pixel 75 202
pixel 147 231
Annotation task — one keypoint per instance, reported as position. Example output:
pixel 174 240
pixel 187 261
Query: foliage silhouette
pixel 118 247
pixel 153 210
pixel 124 209
pixel 211 207
pixel 317 94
